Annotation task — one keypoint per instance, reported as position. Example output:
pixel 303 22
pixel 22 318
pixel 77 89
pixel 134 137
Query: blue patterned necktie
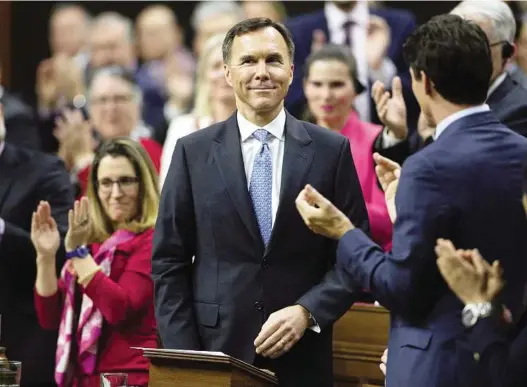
pixel 261 186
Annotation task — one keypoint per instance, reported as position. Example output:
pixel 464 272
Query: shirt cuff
pixel 389 140
pixel 385 73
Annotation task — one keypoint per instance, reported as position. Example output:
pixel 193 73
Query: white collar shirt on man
pixel 440 128
pixel 250 147
pixel 497 82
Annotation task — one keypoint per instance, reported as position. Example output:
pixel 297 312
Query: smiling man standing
pixel 262 288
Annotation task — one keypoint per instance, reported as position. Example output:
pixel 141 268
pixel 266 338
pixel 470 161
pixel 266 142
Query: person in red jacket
pixel 102 302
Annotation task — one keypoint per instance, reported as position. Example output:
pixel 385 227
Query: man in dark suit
pixel 261 287
pixel 465 186
pixel 506 96
pixel 375 37
pixel 26 178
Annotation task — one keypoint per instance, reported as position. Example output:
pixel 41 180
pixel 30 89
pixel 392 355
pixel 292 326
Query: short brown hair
pixel 102 227
pixel 255 24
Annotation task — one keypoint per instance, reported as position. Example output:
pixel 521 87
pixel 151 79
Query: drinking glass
pixel 114 380
pixel 10 373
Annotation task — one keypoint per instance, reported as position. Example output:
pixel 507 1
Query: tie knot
pixel 348 24
pixel 261 135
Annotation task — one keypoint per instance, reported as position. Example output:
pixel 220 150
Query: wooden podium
pixel 169 368
pixel 359 339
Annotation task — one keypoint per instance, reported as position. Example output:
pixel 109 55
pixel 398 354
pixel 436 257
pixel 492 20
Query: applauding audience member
pixel 102 302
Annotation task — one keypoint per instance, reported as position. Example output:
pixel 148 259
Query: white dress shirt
pixel 440 128
pixel 251 146
pixel 360 16
pixel 497 82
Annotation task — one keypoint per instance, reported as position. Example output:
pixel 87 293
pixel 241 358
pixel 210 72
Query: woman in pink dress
pixel 330 86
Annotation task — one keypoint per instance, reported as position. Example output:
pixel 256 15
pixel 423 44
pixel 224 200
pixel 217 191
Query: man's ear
pixel 227 72
pixel 427 83
pixel 291 74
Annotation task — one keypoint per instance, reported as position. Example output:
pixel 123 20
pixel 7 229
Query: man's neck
pixel 222 110
pixel 260 119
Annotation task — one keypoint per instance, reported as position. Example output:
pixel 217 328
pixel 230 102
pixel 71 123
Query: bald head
pixel 158 32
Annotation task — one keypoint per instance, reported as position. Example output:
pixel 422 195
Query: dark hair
pixel 337 53
pixel 255 24
pixel 455 55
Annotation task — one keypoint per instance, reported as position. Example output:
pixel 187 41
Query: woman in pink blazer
pixel 330 86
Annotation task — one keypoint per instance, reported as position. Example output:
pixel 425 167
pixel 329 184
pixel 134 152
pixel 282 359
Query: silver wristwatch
pixel 472 312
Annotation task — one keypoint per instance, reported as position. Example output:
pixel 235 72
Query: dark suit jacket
pixel 20 122
pixel 466 187
pixel 402 23
pixel 509 103
pixel 221 301
pixel 26 178
pixel 501 355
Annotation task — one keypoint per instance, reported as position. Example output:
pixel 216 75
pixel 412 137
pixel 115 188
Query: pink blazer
pixel 361 136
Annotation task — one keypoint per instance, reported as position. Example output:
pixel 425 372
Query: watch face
pixel 469 317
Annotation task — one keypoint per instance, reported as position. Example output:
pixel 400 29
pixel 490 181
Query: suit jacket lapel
pixel 228 157
pixel 298 156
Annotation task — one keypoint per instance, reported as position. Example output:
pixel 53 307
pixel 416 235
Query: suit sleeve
pixel 331 298
pixel 173 248
pixel 397 279
pixel 16 246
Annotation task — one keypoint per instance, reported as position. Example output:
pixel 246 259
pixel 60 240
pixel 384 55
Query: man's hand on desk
pixel 320 215
pixel 281 331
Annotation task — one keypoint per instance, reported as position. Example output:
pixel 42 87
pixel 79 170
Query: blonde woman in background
pixel 214 101
pixel 103 301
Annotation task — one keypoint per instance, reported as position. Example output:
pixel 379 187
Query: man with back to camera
pixel 466 187
pixel 262 288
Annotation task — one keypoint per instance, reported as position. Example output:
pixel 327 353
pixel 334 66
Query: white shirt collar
pixel 2 144
pixel 440 128
pixel 337 17
pixel 497 82
pixel 275 127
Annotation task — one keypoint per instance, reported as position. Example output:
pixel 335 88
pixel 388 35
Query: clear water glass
pixel 10 373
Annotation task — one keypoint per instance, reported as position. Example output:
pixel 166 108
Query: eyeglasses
pixel 125 184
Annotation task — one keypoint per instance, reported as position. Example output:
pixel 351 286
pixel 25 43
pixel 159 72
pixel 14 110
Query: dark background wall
pixel 29 28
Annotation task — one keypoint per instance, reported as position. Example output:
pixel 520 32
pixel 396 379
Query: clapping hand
pixel 44 233
pixel 388 172
pixel 391 108
pixel 79 225
pixel 467 274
